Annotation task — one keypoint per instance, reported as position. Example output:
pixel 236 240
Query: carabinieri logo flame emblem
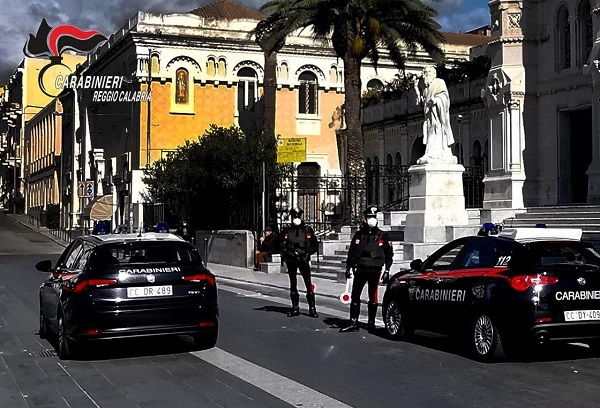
pixel 52 42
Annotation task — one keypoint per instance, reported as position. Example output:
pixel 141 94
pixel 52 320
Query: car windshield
pixel 561 253
pixel 122 254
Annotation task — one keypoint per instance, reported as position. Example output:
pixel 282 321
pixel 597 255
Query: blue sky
pixel 19 18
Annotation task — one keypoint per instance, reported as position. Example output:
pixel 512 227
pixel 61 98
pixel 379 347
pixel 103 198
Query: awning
pixel 99 209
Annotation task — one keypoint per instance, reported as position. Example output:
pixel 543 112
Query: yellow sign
pixel 291 150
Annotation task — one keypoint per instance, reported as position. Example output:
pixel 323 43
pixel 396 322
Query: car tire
pixel 43 332
pixel 396 325
pixel 205 341
pixel 65 347
pixel 485 339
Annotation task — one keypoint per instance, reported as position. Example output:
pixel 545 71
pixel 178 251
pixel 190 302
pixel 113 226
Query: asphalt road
pixel 262 358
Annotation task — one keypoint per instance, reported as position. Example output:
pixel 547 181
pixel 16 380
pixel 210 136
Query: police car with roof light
pixel 127 285
pixel 502 292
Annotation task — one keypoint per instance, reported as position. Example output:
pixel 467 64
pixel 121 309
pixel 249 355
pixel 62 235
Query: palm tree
pixel 357 29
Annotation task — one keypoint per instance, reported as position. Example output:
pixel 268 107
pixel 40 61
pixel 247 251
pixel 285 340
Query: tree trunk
pixel 355 170
pixel 270 94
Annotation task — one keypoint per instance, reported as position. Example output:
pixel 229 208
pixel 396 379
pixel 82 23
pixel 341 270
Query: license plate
pixel 580 315
pixel 149 291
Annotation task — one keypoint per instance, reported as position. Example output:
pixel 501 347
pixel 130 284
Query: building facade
pixel 200 68
pixel 532 122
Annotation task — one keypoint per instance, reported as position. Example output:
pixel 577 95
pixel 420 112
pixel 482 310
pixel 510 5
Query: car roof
pixel 525 235
pixel 143 237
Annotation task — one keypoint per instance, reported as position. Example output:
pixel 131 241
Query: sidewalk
pixel 324 287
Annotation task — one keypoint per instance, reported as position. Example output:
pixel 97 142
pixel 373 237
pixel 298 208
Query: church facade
pixel 532 123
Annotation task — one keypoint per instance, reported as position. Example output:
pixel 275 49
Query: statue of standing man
pixel 437 132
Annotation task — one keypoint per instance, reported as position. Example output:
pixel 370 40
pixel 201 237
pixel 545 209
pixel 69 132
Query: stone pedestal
pixel 437 201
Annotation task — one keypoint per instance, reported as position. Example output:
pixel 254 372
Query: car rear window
pixel 559 253
pixel 117 255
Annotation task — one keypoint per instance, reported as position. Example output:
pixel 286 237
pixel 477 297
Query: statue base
pixel 436 201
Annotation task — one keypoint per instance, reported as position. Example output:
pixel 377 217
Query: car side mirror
pixel 416 265
pixel 44 266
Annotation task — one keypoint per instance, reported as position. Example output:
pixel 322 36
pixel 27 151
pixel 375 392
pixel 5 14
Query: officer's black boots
pixel 354 312
pixel 372 307
pixel 295 304
pixel 312 310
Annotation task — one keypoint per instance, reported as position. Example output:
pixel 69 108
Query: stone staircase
pixel 333 252
pixel 586 217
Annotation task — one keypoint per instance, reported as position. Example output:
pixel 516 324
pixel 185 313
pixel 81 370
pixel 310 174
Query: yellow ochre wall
pixel 216 105
pixel 170 130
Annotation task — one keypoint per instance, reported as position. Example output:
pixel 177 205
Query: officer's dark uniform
pixel 297 245
pixel 369 251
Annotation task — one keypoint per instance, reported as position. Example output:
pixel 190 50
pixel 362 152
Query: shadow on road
pixel 522 354
pixel 132 348
pixel 276 309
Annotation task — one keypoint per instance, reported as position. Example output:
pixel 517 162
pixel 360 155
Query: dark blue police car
pixel 502 293
pixel 127 285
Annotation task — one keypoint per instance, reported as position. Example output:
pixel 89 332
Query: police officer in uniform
pixel 297 246
pixel 369 251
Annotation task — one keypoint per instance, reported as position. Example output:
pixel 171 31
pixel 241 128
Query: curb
pixel 34 229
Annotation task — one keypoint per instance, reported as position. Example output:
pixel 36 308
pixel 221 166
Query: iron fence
pixel 329 201
pixel 473 186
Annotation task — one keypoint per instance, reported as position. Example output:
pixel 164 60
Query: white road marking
pixel 277 385
pixel 79 386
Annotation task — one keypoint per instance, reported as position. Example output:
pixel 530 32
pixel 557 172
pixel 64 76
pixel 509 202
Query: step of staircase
pixel 586 217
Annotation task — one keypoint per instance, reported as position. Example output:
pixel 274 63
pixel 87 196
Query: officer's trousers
pixel 293 267
pixel 369 276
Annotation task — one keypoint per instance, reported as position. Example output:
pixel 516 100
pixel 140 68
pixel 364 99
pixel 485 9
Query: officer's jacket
pixel 298 241
pixel 370 248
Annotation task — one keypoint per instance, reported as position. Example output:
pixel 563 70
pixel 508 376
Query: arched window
pixel 369 174
pixel 182 91
pixel 211 67
pixel 333 74
pixel 283 71
pixel 247 89
pixel 222 67
pixel 486 155
pixel 376 181
pixel 477 155
pixel 374 83
pixel 389 164
pixel 585 31
pixel 398 159
pixel 563 39
pixel 308 93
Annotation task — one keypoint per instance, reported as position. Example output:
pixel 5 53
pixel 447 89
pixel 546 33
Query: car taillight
pixel 83 285
pixel 201 277
pixel 524 282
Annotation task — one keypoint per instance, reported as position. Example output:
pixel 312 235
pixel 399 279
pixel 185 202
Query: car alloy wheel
pixel 64 344
pixel 43 332
pixel 395 321
pixel 486 339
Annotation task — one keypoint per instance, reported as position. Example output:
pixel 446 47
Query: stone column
pixel 504 97
pixel 593 72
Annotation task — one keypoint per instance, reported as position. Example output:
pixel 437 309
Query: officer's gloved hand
pixel 348 273
pixel 385 277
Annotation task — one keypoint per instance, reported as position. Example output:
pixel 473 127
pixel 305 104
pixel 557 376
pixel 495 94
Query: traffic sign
pixel 86 189
pixel 290 150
